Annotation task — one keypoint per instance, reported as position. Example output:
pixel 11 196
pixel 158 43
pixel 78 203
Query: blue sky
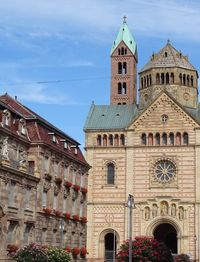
pixel 68 42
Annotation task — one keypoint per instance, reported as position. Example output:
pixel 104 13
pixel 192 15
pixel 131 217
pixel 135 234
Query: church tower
pixel 123 68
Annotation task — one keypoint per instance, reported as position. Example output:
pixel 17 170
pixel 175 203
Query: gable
pixel 151 119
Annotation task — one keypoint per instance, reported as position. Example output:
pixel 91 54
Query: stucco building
pixel 43 181
pixel 148 148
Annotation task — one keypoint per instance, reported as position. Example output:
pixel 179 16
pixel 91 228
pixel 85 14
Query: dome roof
pixel 168 56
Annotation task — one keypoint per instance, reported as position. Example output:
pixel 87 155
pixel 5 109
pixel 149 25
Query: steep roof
pixel 125 36
pixel 168 56
pixel 110 116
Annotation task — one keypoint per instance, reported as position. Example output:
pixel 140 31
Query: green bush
pixel 58 255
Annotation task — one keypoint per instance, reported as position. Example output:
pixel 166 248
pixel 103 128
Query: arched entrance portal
pixel 167 233
pixel 110 247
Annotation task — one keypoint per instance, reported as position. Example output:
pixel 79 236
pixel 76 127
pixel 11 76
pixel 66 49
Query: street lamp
pixel 130 205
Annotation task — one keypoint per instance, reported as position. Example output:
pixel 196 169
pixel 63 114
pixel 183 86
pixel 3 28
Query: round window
pixel 165 171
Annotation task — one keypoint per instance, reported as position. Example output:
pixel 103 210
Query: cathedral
pixel 149 148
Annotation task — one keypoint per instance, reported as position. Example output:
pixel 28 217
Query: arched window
pixel 147 80
pixel 119 68
pixel 125 51
pixel 157 79
pixel 167 78
pixel 122 51
pixel 119 51
pixel 157 139
pixel 192 82
pixel 122 140
pixel 6 117
pixel 143 139
pixel 184 80
pixel 99 140
pixel 172 78
pixel 119 88
pixel 181 79
pixel 116 140
pixel 104 140
pixel 124 69
pixel 188 80
pixel 110 174
pixel 185 138
pixel 162 78
pixel 178 139
pixel 171 139
pixel 142 84
pixel 150 80
pixel 119 103
pixel 124 89
pixel 164 139
pixel 165 54
pixel 150 139
pixel 124 103
pixel 111 140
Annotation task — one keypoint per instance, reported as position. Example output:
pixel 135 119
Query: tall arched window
pixel 111 140
pixel 162 78
pixel 119 51
pixel 124 89
pixel 142 84
pixel 147 80
pixel 181 80
pixel 143 139
pixel 157 139
pixel 122 51
pixel 125 51
pixel 164 139
pixel 178 139
pixel 110 174
pixel 192 82
pixel 167 78
pixel 105 140
pixel 171 139
pixel 184 80
pixel 172 78
pixel 188 80
pixel 185 138
pixel 99 140
pixel 157 79
pixel 150 80
pixel 150 139
pixel 119 88
pixel 124 69
pixel 119 68
pixel 122 140
pixel 116 140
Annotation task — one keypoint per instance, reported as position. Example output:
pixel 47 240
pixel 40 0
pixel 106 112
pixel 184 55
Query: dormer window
pixel 54 140
pixel 22 126
pixel 65 145
pixel 75 149
pixel 6 117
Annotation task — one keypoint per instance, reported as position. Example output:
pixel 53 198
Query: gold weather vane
pixel 124 19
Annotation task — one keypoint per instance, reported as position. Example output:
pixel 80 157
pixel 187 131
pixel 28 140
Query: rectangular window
pixel 44 236
pixel 74 177
pixel 26 233
pixel 11 193
pixel 44 199
pixel 74 208
pixel 82 180
pixel 11 229
pixel 81 210
pixel 46 164
pixel 31 167
pixel 27 197
pixel 55 200
pixel 66 169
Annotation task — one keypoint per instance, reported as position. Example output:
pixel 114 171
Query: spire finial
pixel 168 41
pixel 124 19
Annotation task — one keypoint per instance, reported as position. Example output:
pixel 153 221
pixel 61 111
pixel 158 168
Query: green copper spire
pixel 125 36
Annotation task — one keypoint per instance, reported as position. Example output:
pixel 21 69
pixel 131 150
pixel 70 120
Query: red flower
pixel 57 213
pixel 75 217
pixel 75 251
pixel 84 190
pixel 67 215
pixel 83 219
pixel 83 251
pixel 12 248
pixel 68 184
pixel 47 211
pixel 76 187
pixel 68 249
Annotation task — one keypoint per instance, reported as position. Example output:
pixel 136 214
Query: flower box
pixel 76 187
pixel 68 249
pixel 83 219
pixel 47 176
pixel 68 184
pixel 58 180
pixel 47 211
pixel 75 217
pixel 83 251
pixel 12 248
pixel 67 215
pixel 84 190
pixel 75 251
pixel 57 213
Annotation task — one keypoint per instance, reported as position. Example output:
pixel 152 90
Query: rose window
pixel 165 171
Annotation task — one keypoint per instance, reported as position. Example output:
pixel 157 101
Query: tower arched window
pixel 188 80
pixel 164 139
pixel 124 69
pixel 178 139
pixel 122 51
pixel 157 139
pixel 110 174
pixel 125 51
pixel 142 84
pixel 119 68
pixel 124 89
pixel 181 79
pixel 162 78
pixel 147 80
pixel 99 140
pixel 116 140
pixel 119 88
pixel 192 82
pixel 185 138
pixel 111 140
pixel 119 51
pixel 150 80
pixel 122 140
pixel 157 79
pixel 171 139
pixel 172 78
pixel 143 139
pixel 184 80
pixel 104 140
pixel 167 78
pixel 150 139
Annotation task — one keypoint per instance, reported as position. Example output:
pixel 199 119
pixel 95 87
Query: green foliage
pixel 145 249
pixel 58 255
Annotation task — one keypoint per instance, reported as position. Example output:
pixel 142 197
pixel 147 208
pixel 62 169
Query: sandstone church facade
pixel 150 149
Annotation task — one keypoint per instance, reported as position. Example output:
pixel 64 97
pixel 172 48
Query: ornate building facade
pixel 43 182
pixel 149 149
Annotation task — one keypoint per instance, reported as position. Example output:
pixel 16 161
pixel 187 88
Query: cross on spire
pixel 124 19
